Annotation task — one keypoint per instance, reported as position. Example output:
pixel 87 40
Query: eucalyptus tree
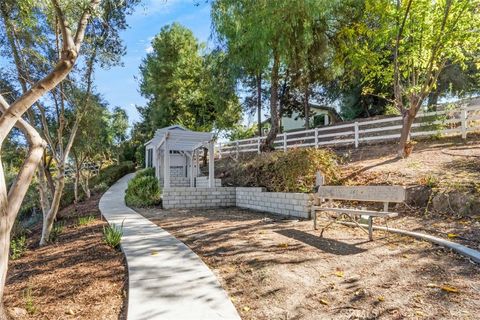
pixel 408 44
pixel 68 19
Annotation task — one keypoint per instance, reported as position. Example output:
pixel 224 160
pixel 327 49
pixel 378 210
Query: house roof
pixel 179 139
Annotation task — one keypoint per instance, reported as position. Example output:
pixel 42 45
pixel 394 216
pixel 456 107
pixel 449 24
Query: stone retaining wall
pixel 198 197
pixel 288 204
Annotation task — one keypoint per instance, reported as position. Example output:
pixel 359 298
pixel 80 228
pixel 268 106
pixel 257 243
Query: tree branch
pixel 82 24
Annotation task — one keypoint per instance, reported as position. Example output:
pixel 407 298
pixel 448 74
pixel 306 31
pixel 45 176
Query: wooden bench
pixel 385 194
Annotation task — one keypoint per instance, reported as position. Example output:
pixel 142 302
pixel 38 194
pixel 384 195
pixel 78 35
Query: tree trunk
pixel 205 156
pixel 274 114
pixel 306 107
pixel 49 219
pixel 5 228
pixel 88 194
pixel 404 147
pixel 259 103
pixel 75 185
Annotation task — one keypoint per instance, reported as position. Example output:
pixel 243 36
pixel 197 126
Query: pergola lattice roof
pixel 180 139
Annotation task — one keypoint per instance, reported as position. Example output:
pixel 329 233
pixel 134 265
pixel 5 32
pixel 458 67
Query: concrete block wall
pixel 198 197
pixel 202 182
pixel 176 181
pixel 288 204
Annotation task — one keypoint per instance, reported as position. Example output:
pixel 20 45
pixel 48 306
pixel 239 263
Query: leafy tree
pixel 183 87
pixel 408 44
pixel 286 41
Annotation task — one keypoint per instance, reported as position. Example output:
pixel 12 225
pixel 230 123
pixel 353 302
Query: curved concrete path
pixel 166 280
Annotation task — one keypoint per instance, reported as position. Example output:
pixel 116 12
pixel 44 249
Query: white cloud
pixel 151 7
pixel 149 49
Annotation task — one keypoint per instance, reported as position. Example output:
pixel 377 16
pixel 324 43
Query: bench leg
pixel 370 228
pixel 314 213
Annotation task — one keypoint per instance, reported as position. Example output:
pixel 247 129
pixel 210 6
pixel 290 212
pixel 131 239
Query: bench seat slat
pixel 358 212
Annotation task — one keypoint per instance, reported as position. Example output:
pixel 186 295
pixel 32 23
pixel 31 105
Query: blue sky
pixel 119 85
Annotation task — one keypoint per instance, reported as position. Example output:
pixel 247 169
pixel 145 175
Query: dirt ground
pixel 282 269
pixel 77 277
pixel 447 163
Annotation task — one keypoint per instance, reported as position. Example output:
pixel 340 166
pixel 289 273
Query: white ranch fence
pixel 459 121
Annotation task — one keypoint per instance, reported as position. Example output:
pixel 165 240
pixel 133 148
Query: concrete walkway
pixel 166 280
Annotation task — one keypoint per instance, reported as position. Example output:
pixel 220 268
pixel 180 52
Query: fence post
pixel 463 118
pixel 357 134
pixel 258 144
pixel 284 142
pixel 316 137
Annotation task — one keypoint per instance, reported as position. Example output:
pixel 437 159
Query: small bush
pixel 111 174
pixel 291 171
pixel 83 221
pixel 30 305
pixel 148 172
pixel 143 191
pixel 18 246
pixel 112 235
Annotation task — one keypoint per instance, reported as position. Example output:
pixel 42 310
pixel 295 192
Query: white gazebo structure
pixel 174 153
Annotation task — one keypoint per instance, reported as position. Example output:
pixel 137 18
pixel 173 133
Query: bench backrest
pixel 393 194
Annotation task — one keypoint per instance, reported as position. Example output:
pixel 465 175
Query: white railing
pixel 459 121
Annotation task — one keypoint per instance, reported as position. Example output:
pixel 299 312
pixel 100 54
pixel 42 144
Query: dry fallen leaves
pixel 449 289
pixel 324 302
pixel 339 274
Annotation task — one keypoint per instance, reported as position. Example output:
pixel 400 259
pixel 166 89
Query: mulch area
pixel 76 277
pixel 281 269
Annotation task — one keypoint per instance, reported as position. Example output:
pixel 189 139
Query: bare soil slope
pixel 76 277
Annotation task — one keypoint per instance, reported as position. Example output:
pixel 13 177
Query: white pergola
pixel 178 140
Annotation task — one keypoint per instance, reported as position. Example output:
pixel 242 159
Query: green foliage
pixel 239 132
pixel 183 87
pixel 18 246
pixel 85 220
pixel 29 301
pixel 291 171
pixel 111 174
pixel 143 191
pixel 147 172
pixel 112 235
pixel 435 33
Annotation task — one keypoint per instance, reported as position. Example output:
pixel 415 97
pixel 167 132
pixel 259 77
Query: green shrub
pixel 112 235
pixel 29 301
pixel 83 221
pixel 291 171
pixel 111 174
pixel 148 172
pixel 143 191
pixel 18 246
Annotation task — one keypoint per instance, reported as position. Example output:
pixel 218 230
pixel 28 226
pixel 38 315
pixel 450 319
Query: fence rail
pixel 459 121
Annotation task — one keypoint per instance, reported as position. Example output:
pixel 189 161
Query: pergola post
pixel 166 166
pixel 192 178
pixel 211 165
